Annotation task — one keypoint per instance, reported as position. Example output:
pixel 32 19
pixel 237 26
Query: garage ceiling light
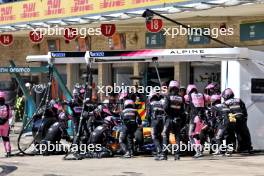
pixel 88 19
pixel 94 18
pixel 8 28
pixel 137 13
pixel 56 22
pixel 107 17
pixel 196 6
pixel 72 21
pixel 20 26
pixel 167 10
pixel 227 3
pixel 117 16
pixel 40 24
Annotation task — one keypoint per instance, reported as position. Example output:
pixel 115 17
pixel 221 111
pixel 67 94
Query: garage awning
pixel 27 15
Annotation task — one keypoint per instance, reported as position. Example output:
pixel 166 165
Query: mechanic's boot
pixel 250 150
pixel 132 153
pixel 157 157
pixel 198 155
pixel 127 155
pixel 163 157
pixel 8 155
pixel 77 156
pixel 177 157
pixel 89 155
pixel 228 154
pixel 217 152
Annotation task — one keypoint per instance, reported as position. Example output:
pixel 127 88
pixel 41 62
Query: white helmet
pixel 106 101
pixel 28 85
pixel 174 83
pixel 129 103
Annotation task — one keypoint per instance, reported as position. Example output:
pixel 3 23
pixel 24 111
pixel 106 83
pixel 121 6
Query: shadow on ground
pixel 5 170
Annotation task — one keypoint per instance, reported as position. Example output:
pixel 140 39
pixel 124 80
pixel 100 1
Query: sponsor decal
pixel 97 54
pixel 57 55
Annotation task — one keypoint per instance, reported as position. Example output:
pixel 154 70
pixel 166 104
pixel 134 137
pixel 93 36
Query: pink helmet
pixel 174 83
pixel 82 90
pixel 210 86
pixel 186 99
pixel 2 95
pixel 227 94
pixel 123 95
pixel 215 98
pixel 58 106
pixel 109 121
pixel 190 88
pixel 129 103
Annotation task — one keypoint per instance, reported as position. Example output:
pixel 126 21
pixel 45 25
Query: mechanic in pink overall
pixel 196 102
pixel 4 125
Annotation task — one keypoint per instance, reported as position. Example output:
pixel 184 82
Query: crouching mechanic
pixel 131 121
pixel 174 108
pixel 238 110
pixel 101 137
pixel 157 114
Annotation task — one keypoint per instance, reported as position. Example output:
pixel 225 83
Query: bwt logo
pixel 57 54
pixel 97 54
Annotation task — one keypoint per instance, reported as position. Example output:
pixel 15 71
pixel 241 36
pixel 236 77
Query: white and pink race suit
pixel 4 128
pixel 197 103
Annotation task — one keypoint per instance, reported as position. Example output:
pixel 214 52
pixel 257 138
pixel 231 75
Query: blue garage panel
pixel 252 31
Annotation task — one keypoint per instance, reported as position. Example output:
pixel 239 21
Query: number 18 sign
pixel 155 25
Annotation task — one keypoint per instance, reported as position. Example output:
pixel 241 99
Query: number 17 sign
pixel 154 25
pixel 108 30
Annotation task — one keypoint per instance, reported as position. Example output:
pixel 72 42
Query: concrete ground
pixel 252 165
pixel 138 166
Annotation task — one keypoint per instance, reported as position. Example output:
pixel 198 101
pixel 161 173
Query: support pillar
pixel 104 76
pixel 184 73
pixel 73 75
pixel 138 70
pixel 177 71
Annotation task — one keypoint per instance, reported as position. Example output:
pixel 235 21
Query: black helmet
pixel 227 94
